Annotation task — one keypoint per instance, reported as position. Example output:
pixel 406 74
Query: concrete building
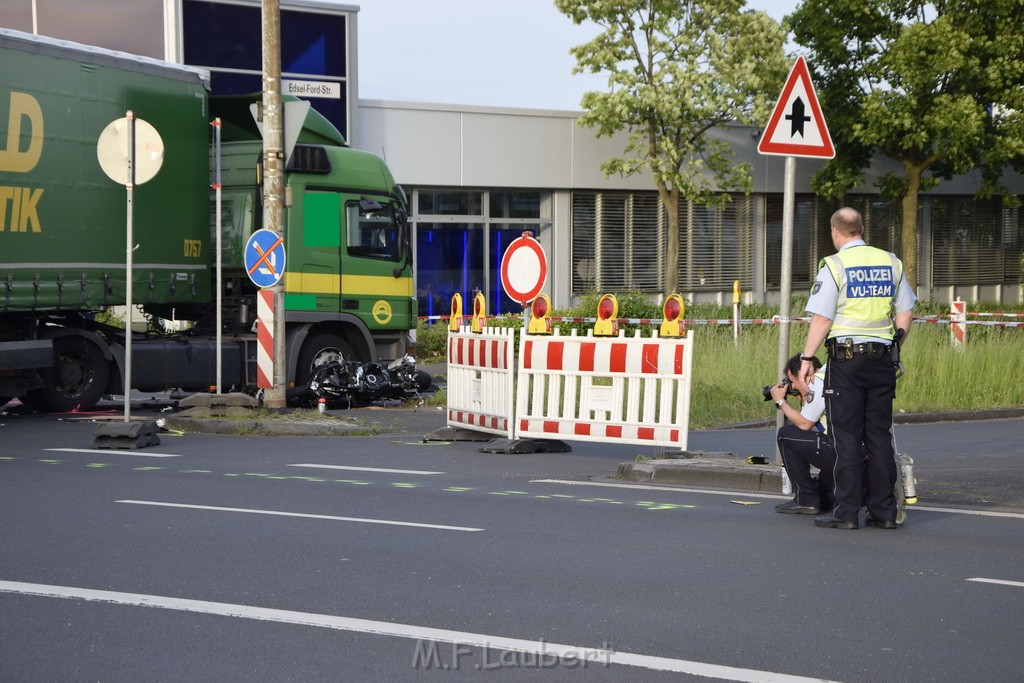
pixel 477 177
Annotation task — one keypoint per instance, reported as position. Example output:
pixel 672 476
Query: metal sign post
pixel 805 134
pixel 118 151
pixel 219 284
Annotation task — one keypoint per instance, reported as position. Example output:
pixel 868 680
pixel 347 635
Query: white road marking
pixel 541 648
pixel 757 494
pixel 280 513
pixel 118 451
pixel 365 469
pixel 1001 582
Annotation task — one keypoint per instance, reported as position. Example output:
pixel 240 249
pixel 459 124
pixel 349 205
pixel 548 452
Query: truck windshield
pixel 373 231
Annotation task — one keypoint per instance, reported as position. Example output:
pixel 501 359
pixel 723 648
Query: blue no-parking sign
pixel 264 258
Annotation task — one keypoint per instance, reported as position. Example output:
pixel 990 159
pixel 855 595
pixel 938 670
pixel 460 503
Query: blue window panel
pixel 313 44
pixel 225 36
pixel 449 260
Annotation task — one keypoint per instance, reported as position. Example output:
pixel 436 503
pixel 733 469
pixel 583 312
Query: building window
pixel 716 246
pixel 461 236
pixel 225 38
pixel 618 242
pixel 975 242
pixel 805 256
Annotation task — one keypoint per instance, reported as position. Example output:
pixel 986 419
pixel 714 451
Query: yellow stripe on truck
pixel 349 285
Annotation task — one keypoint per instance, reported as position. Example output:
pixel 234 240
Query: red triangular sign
pixel 797 127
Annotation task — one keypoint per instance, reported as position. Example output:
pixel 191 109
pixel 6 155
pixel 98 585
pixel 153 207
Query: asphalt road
pixel 247 558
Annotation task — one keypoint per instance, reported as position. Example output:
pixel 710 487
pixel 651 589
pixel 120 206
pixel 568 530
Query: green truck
pixel 348 281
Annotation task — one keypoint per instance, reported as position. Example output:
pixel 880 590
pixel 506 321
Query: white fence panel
pixel 629 390
pixel 480 380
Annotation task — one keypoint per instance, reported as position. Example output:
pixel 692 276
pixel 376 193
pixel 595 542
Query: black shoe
pixel 871 520
pixel 830 522
pixel 792 508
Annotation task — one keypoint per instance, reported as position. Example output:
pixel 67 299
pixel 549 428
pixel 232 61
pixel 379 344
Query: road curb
pixel 702 471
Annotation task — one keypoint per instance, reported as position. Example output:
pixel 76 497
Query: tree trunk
pixel 670 200
pixel 909 233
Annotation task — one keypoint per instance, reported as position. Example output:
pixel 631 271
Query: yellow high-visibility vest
pixel 867 278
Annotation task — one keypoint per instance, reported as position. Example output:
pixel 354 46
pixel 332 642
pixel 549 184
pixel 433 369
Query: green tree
pixel 676 69
pixel 935 86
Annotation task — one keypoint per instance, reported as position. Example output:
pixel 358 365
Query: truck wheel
pixel 320 349
pixel 77 380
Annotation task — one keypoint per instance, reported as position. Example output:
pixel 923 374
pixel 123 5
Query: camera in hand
pixel 766 391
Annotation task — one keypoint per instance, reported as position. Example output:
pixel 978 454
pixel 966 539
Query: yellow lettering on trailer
pixel 193 248
pixel 12 158
pixel 24 212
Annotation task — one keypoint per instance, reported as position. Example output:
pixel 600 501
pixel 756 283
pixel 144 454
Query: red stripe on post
pixel 528 357
pixel 646 433
pixel 613 431
pixel 549 426
pixel 582 429
pixel 677 365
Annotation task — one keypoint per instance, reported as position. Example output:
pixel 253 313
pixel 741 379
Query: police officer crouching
pixel 860 305
pixel 803 441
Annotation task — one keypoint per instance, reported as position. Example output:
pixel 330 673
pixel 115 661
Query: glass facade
pixel 461 236
pixel 226 39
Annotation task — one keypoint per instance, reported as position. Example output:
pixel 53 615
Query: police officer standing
pixel 861 306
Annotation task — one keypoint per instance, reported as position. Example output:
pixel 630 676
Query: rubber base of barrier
pixel 126 435
pixel 526 446
pixel 457 434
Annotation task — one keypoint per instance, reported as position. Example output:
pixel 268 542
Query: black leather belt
pixel 846 350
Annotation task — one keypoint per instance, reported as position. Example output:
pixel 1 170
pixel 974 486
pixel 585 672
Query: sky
pixel 499 53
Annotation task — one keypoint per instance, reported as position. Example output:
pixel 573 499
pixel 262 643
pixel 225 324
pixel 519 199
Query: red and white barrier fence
pixel 480 379
pixel 610 389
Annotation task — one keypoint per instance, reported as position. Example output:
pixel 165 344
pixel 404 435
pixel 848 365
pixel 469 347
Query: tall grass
pixel 728 375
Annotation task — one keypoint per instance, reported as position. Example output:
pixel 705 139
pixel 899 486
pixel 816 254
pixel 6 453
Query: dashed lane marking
pixel 396 485
pixel 93 451
pixel 365 469
pixel 280 513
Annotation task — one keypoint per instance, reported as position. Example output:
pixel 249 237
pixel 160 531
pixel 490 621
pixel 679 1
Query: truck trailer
pixel 348 280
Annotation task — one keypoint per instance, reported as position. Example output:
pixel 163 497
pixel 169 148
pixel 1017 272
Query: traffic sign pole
pixel 796 127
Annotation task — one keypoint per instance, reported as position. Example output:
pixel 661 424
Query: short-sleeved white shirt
pixel 814 408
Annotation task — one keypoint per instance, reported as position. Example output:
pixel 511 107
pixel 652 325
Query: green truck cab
pixel 348 280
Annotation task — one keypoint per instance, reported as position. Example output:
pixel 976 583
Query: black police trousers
pixel 800 449
pixel 859 392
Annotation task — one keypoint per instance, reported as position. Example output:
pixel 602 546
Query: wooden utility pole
pixel 273 182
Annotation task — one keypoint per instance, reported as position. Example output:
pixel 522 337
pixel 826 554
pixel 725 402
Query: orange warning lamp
pixel 540 309
pixel 672 310
pixel 607 312
pixel 479 321
pixel 455 321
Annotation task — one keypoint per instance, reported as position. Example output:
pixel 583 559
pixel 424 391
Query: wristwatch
pixel 803 357
pixel 778 405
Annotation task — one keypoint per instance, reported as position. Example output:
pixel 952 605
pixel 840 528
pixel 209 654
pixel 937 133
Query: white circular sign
pixel 112 151
pixel 524 268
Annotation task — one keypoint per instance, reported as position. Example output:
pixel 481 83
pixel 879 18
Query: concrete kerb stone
pixel 704 470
